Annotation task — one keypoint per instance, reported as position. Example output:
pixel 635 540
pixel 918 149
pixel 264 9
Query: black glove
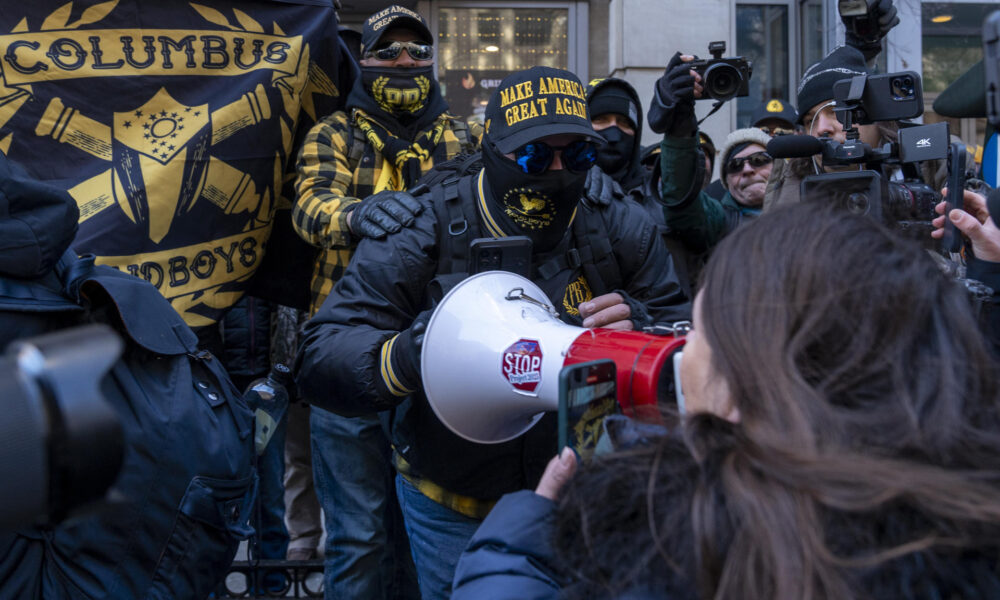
pixel 672 111
pixel 600 188
pixel 637 311
pixel 885 12
pixel 383 213
pixel 405 353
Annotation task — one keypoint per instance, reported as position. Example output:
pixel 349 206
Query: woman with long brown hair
pixel 841 440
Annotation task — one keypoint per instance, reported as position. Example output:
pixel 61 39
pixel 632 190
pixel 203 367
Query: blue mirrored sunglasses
pixel 536 157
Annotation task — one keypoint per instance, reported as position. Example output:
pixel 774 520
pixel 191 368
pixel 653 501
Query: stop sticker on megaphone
pixel 521 365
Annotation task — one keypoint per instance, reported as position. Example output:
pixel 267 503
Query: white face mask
pixel 677 380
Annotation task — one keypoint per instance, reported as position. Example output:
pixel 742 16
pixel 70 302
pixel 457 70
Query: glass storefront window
pixel 952 42
pixel 811 34
pixel 762 37
pixel 478 47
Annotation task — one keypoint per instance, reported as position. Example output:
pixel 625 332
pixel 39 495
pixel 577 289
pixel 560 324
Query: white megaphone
pixel 493 349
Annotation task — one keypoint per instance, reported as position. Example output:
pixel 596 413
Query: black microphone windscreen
pixel 794 146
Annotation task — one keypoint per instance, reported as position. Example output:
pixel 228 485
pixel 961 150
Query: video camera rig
pixel 907 205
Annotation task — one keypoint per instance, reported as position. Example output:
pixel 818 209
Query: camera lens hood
pixel 722 81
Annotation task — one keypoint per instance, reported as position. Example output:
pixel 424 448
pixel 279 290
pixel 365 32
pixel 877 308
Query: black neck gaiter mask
pixel 403 92
pixel 615 157
pixel 537 206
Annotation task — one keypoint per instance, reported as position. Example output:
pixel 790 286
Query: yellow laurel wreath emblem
pixel 424 84
pixel 377 92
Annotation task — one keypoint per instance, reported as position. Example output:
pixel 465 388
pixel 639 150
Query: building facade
pixel 481 41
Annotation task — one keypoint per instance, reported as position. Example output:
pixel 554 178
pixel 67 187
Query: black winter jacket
pixel 181 501
pixel 246 340
pixel 383 290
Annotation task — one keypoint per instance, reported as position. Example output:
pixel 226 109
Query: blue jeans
pixel 271 497
pixel 367 554
pixel 438 535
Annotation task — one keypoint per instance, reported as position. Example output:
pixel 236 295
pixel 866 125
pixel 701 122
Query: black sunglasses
pixel 416 51
pixel 775 131
pixel 756 160
pixel 536 157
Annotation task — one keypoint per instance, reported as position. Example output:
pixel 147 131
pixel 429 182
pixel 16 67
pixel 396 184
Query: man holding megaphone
pixel 601 266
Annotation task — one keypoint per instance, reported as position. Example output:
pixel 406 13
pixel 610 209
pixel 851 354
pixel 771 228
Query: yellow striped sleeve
pixel 388 375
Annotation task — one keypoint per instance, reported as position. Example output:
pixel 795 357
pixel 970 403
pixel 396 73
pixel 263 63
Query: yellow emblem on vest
pixel 577 292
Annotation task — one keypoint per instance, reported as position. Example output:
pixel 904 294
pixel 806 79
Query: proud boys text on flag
pixel 171 124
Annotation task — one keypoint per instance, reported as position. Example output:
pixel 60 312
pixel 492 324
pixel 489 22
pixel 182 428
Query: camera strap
pixel 715 108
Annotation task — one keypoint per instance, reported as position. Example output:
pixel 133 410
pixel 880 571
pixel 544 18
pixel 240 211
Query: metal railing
pixel 272 579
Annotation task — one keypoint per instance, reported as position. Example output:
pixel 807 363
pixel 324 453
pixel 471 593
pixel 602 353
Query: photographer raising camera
pixel 694 217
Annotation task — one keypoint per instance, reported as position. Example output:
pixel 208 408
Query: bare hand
pixel 608 311
pixel 974 222
pixel 557 473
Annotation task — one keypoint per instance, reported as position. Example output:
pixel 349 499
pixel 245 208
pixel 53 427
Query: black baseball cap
pixel 534 103
pixel 395 16
pixel 776 109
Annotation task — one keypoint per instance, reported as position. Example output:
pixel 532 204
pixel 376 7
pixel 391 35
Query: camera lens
pixel 902 87
pixel 722 81
pixel 858 203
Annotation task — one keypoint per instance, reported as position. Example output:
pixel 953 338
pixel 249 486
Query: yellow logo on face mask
pixel 528 209
pixel 392 99
pixel 577 292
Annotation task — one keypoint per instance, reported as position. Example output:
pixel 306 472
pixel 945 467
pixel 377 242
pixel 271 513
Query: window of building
pixel 811 29
pixel 763 36
pixel 951 33
pixel 479 44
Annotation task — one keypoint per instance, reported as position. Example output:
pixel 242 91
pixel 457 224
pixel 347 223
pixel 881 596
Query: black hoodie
pixel 631 176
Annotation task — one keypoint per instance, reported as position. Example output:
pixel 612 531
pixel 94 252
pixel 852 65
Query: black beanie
pixel 817 82
pixel 613 99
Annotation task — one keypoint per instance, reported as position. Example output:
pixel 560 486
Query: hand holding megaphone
pixel 404 356
pixel 609 311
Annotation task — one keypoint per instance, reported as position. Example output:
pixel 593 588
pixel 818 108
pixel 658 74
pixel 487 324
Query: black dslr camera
pixel 723 78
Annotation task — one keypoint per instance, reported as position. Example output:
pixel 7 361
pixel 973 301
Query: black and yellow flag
pixel 171 124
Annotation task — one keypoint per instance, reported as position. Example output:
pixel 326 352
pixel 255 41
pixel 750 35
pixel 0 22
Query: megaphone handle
pixel 518 294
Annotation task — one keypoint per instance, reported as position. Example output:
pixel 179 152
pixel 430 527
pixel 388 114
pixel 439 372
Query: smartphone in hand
pixel 587 395
pixel 952 240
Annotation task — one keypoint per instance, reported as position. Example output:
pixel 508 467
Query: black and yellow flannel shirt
pixel 338 167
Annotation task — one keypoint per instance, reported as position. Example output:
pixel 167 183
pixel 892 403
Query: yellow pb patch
pixel 577 292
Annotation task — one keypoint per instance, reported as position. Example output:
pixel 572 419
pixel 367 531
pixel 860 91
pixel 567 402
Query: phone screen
pixel 587 395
